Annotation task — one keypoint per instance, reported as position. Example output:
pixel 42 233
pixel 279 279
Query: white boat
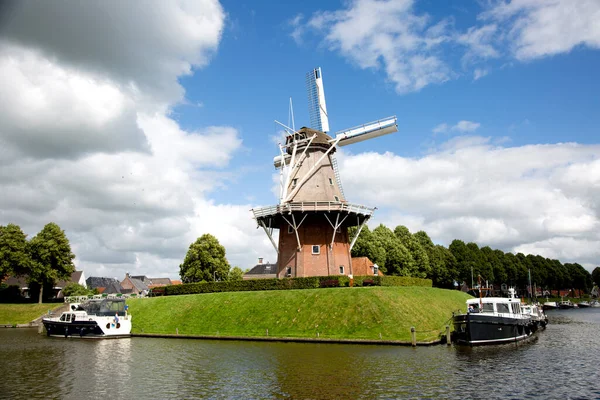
pixel 97 318
pixel 538 317
pixel 583 304
pixel 492 320
pixel 594 303
pixel 564 304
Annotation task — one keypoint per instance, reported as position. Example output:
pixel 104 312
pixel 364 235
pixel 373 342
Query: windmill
pixel 313 215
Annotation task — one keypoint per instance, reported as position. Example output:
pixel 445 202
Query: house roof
pixel 94 282
pixel 263 269
pixel 20 281
pixel 75 277
pixel 160 281
pixel 176 282
pixel 142 278
pixel 138 284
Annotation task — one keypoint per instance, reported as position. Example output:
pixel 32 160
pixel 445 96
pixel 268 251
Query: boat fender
pixel 108 326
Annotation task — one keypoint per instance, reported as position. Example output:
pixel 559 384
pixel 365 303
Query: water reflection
pixel 560 363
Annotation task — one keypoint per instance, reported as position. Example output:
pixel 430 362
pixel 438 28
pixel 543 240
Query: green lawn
pixel 11 314
pixel 347 313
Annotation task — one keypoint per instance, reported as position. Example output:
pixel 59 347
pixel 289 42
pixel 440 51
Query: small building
pixel 262 271
pixel 362 266
pixel 104 285
pixel 134 285
pixel 22 283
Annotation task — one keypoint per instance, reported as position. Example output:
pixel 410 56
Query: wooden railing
pixel 307 206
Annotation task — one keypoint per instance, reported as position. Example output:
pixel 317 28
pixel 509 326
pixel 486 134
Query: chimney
pixel 260 260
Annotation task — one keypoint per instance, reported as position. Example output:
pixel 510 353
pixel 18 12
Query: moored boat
pixel 595 303
pixel 583 304
pixel 564 304
pixel 550 305
pixel 98 318
pixel 492 320
pixel 538 317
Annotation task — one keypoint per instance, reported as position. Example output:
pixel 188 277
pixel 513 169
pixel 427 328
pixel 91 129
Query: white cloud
pixel 541 199
pixel 479 73
pixel 414 50
pixel 461 126
pixel 441 128
pixel 388 34
pixel 86 140
pixel 545 28
pixel 466 126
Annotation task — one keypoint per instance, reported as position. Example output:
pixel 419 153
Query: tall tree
pixel 367 246
pixel 418 253
pixel 596 275
pixel 14 257
pixel 204 261
pixel 398 260
pixel 51 257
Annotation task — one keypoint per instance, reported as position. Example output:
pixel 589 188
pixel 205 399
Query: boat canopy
pixel 103 307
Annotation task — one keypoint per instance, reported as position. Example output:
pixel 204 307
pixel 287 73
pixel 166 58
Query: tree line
pixel 399 252
pixel 44 259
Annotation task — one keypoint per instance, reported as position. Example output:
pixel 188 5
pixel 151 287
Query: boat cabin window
pixel 66 318
pixel 488 307
pixel 502 308
pixel 516 308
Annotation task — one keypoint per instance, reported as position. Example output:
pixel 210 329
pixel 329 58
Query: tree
pixel 236 274
pixel 51 257
pixel 367 246
pixel 596 276
pixel 14 257
pixel 204 261
pixel 418 253
pixel 75 289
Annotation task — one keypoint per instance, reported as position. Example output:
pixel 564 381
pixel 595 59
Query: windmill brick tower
pixel 313 215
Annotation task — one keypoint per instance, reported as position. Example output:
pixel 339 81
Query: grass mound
pixel 374 313
pixel 12 314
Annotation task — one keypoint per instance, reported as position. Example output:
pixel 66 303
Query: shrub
pixel 330 283
pixel 312 282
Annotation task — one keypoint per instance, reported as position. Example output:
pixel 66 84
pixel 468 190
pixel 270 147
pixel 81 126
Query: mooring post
pixel 448 338
pixel 413 335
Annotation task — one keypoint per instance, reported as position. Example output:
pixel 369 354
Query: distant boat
pixel 564 304
pixel 583 304
pixel 595 303
pixel 550 305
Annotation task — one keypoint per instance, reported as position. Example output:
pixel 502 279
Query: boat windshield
pixel 105 307
pixel 488 308
pixel 502 308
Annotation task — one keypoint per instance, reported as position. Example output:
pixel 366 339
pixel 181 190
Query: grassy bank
pixel 12 314
pixel 337 313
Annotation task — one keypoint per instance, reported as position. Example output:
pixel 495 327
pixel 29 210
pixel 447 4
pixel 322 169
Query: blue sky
pixel 139 128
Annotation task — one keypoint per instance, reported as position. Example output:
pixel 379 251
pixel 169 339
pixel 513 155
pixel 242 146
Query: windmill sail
pixel 317 109
pixel 367 131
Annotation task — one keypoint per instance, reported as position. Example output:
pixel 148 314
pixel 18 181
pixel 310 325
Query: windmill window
pixel 336 198
pixel 294 182
pixel 341 269
pixel 331 181
pixel 290 229
pixel 316 249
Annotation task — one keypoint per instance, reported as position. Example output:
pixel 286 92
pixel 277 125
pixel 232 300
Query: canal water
pixel 561 362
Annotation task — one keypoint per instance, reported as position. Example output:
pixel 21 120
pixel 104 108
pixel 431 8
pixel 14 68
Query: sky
pixel 139 126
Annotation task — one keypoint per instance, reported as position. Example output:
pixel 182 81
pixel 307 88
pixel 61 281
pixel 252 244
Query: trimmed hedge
pixel 313 282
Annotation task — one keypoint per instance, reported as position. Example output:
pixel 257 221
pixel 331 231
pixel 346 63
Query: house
pixel 135 285
pixel 104 285
pixel 262 271
pixel 21 282
pixel 362 266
